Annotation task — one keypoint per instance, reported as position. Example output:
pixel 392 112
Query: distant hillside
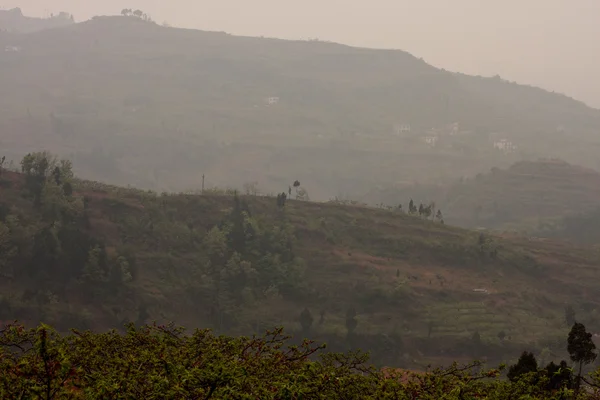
pixel 581 227
pixel 82 254
pixel 15 22
pixel 523 195
pixel 132 102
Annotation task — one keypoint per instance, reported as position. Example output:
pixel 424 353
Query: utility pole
pixel 202 183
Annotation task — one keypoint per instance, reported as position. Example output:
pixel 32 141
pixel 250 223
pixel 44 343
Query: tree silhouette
pixel 439 216
pixel 281 198
pixel 138 13
pixel 581 348
pixel 527 363
pixel 559 376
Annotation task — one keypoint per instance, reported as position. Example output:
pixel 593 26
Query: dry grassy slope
pixel 112 82
pixel 402 273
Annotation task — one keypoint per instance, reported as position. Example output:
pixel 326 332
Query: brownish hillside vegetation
pixel 410 290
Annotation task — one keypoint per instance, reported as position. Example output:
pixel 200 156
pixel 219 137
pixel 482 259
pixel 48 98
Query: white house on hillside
pixel 12 49
pixel 505 145
pixel 431 140
pixel 272 100
pixel 400 129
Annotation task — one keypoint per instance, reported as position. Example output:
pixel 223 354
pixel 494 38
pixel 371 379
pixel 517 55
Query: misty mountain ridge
pixel 201 102
pixel 14 21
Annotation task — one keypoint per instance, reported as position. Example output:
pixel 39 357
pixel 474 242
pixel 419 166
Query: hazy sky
pixel 550 43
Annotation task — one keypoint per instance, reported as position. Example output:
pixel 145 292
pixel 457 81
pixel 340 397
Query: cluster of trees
pixel 49 240
pixel 424 211
pixel 161 361
pixel 582 351
pixel 247 261
pixel 45 241
pixel 128 12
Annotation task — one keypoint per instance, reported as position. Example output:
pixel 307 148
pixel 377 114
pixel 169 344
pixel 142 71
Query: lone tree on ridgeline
pixel 412 209
pixel 440 217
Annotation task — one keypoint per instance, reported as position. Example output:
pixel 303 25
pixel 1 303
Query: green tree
pixel 36 166
pixel 581 348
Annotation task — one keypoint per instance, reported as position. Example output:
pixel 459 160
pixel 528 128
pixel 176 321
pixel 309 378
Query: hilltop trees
pixel 412 209
pixel 128 12
pixel 41 167
pixel 439 216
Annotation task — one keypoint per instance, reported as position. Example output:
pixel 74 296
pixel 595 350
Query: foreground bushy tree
pixel 161 362
pixel 526 364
